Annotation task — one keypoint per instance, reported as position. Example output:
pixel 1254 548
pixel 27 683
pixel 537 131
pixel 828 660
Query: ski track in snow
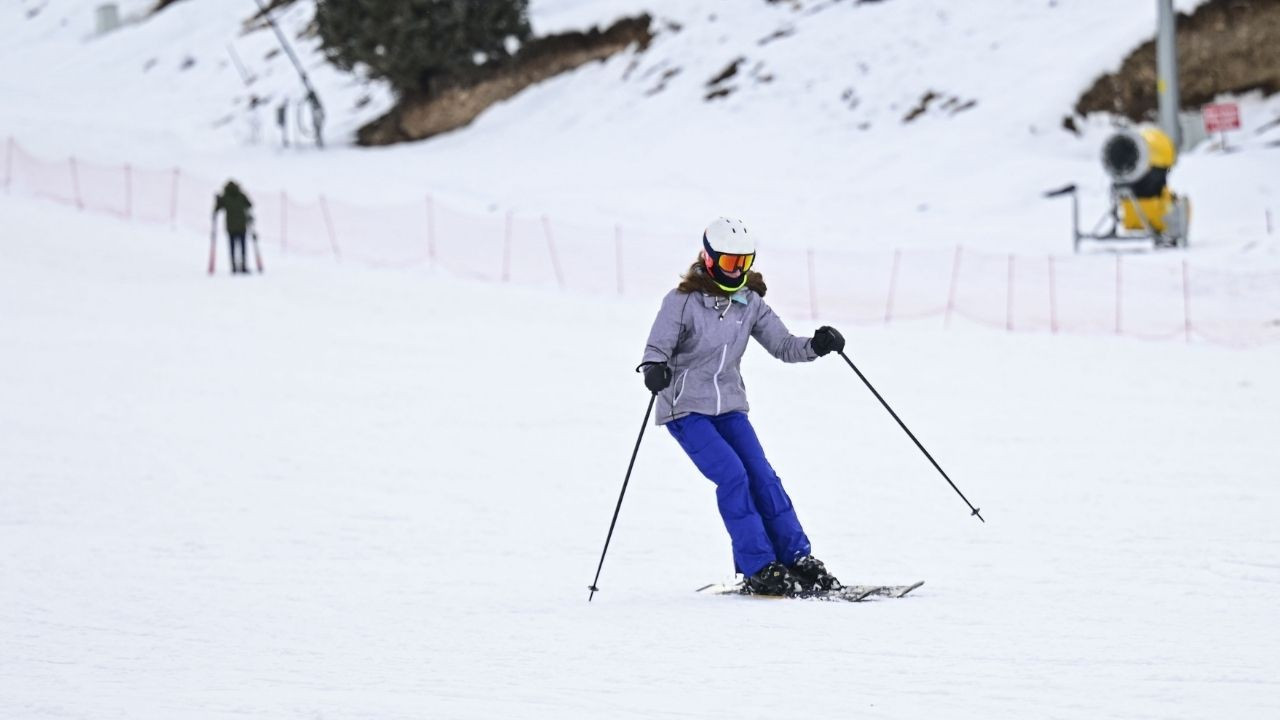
pixel 335 492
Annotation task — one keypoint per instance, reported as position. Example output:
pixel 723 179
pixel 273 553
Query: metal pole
pixel 317 108
pixel 328 223
pixel 551 250
pixel 951 294
pixel 976 511
pixel 893 285
pixel 245 77
pixel 75 184
pixel 1167 70
pixel 630 466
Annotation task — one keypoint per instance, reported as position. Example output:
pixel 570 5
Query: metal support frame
pixel 1172 237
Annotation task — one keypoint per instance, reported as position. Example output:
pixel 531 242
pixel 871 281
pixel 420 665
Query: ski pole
pixel 625 480
pixel 910 435
pixel 213 241
pixel 257 254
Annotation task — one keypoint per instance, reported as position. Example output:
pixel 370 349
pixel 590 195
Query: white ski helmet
pixel 728 251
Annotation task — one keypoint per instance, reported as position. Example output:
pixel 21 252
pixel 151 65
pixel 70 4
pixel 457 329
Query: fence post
pixel 617 254
pixel 431 232
pixel 284 218
pixel 1008 311
pixel 1053 296
pixel 893 283
pixel 813 285
pixel 8 165
pixel 328 224
pixel 75 184
pixel 506 248
pixel 955 280
pixel 551 248
pixel 1186 300
pixel 1268 213
pixel 173 200
pixel 1119 295
pixel 128 191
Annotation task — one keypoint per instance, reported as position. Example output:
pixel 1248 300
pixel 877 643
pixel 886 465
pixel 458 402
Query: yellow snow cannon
pixel 1143 208
pixel 1138 162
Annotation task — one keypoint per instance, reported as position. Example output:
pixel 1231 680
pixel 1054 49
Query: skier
pixel 692 362
pixel 236 206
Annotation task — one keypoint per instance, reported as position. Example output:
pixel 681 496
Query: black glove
pixel 827 339
pixel 657 376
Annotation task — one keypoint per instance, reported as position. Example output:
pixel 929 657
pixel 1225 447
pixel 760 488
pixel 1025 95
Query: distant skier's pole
pixel 257 254
pixel 213 241
pixel 622 494
pixel 903 425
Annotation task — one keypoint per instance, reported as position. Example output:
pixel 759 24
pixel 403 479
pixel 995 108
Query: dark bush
pixel 421 46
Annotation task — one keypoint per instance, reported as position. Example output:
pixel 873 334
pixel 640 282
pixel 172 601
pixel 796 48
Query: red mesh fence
pixel 1157 296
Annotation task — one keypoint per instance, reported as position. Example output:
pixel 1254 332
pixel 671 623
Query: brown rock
pixel 1225 46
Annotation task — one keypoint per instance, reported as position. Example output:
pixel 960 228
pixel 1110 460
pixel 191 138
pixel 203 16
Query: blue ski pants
pixel 762 524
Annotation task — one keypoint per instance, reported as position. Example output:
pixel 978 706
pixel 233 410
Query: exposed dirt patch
pixel 1225 46
pixel 779 34
pixel 420 116
pixel 662 81
pixel 730 70
pixel 950 104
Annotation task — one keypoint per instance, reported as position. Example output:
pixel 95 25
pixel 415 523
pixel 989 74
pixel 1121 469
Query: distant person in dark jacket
pixel 237 215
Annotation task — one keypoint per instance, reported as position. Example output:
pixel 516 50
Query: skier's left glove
pixel 827 339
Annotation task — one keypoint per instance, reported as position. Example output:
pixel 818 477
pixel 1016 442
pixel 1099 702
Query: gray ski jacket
pixel 701 337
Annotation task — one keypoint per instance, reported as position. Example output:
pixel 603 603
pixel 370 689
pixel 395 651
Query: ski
pixel 848 593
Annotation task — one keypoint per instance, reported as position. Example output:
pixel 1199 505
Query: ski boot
pixel 813 575
pixel 773 579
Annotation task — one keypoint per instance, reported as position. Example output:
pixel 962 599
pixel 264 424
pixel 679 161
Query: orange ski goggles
pixel 729 263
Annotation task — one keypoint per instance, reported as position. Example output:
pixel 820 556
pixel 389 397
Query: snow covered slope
pixel 337 491
pixel 332 491
pixel 811 141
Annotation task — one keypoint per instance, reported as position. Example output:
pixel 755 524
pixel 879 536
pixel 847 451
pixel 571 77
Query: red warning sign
pixel 1220 117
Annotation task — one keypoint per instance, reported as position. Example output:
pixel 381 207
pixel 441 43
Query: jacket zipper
pixel 724 349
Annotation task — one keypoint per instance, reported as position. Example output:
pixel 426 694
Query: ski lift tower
pixel 313 100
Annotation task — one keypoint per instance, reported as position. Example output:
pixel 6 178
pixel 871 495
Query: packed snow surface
pixel 336 491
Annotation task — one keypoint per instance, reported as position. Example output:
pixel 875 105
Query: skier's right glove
pixel 657 376
pixel 827 339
